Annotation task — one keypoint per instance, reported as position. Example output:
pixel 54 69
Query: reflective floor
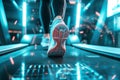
pixel 32 63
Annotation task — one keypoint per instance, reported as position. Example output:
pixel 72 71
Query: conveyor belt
pixel 32 63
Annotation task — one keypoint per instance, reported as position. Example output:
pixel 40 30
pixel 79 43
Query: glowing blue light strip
pixel 68 21
pixel 78 14
pixel 3 19
pixel 78 71
pixel 24 14
pixel 88 5
pixel 15 4
pixel 23 69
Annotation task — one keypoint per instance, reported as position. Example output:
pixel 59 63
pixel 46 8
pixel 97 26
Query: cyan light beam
pixel 24 8
pixel 78 14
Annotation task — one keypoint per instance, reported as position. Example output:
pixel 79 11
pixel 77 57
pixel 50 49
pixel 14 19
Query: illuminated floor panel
pixel 57 72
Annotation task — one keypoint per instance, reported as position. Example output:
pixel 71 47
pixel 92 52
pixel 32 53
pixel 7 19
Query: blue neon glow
pixel 24 14
pixel 78 71
pixel 113 7
pixel 3 19
pixel 15 4
pixel 99 24
pixel 26 37
pixel 102 17
pixel 26 54
pixel 78 14
pixel 117 22
pixel 68 21
pixel 88 5
pixel 74 38
pixel 23 70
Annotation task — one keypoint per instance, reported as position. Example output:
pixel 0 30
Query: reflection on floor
pixel 32 63
pixel 56 71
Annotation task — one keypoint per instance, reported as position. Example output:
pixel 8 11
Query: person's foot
pixel 58 35
pixel 45 42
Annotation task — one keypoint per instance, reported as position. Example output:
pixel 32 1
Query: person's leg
pixel 59 31
pixel 45 20
pixel 45 14
pixel 59 8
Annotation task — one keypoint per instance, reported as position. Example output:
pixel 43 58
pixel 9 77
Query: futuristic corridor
pixel 92 47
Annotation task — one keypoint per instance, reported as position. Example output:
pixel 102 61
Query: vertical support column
pixel 5 37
